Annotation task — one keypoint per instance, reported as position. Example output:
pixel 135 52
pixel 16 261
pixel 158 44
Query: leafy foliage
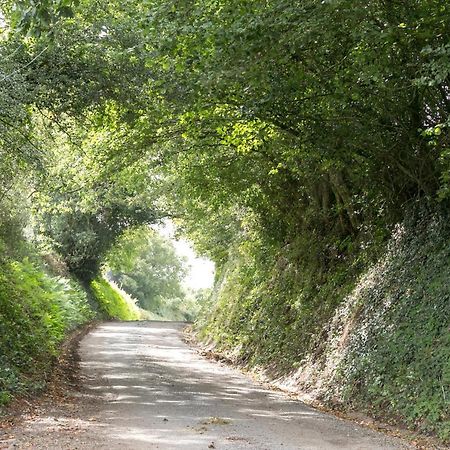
pixel 146 266
pixel 37 311
pixel 397 357
pixel 288 138
pixel 112 302
pixel 34 17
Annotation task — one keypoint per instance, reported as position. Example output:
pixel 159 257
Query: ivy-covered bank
pixel 368 336
pixel 39 307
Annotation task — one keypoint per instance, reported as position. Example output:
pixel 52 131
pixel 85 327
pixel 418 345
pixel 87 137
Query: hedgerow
pixel 112 302
pixel 37 310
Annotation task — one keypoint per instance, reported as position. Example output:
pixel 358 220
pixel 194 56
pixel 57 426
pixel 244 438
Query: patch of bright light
pixel 201 270
pixel 2 20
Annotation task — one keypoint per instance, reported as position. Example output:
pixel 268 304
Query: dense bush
pixel 36 312
pixel 112 302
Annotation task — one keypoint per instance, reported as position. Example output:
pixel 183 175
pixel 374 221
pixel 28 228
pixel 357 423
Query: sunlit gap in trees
pixel 201 269
pixel 2 21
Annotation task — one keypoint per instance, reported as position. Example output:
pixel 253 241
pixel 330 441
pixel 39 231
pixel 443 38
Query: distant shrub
pixel 112 302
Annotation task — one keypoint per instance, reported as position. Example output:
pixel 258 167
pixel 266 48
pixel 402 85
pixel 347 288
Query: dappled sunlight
pixel 277 172
pixel 147 389
pixel 163 393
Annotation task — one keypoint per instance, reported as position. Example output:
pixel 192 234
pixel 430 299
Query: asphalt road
pixel 144 388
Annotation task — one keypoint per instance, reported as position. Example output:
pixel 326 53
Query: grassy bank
pixel 112 302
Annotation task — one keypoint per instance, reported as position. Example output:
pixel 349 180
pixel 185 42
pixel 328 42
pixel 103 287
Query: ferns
pixel 36 312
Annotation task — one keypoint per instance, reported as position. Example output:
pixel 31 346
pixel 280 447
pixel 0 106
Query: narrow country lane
pixel 144 388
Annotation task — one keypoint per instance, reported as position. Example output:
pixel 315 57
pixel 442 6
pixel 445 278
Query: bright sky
pixel 201 270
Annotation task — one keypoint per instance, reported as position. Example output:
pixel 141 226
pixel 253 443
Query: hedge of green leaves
pixel 112 303
pixel 37 310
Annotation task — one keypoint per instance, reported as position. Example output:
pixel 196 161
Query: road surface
pixel 143 388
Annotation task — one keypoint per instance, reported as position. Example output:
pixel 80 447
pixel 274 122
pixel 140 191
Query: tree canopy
pixel 328 116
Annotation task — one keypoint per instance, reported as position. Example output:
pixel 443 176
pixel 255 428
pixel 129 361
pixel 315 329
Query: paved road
pixel 146 389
